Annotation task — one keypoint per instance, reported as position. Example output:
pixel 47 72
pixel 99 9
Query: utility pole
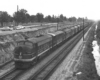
pixel 57 23
pixel 17 8
pixel 83 29
pixel 17 14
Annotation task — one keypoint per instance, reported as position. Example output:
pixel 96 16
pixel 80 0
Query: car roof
pixel 76 26
pixel 56 33
pixel 67 30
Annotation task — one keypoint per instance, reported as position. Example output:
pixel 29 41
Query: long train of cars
pixel 28 51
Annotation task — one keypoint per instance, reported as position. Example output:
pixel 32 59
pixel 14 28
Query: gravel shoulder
pixel 75 63
pixel 86 66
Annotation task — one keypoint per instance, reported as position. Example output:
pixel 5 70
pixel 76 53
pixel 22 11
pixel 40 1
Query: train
pixel 27 52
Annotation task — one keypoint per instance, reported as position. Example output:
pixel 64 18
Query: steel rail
pixel 45 72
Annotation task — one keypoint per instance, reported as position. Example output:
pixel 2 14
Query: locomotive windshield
pixel 20 43
pixel 28 44
pixel 25 43
pixel 25 47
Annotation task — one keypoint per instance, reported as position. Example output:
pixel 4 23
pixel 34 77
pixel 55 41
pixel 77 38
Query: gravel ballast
pixel 87 62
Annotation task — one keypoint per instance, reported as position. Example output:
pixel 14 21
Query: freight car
pixel 27 52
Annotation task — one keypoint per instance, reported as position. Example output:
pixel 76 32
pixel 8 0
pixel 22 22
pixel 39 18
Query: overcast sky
pixel 77 8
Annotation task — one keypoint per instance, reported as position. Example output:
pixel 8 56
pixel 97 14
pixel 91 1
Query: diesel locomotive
pixel 27 52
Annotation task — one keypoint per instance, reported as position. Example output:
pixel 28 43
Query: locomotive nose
pixel 18 50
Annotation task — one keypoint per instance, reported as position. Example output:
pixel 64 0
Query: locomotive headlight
pixel 20 57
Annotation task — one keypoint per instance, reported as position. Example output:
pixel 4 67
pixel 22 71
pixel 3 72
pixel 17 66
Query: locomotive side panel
pixel 44 46
pixel 57 37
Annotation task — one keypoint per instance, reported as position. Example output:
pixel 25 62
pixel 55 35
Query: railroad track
pixel 6 68
pixel 44 72
pixel 7 73
pixel 5 64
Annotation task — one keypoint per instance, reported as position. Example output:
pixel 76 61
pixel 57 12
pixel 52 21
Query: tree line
pixel 22 16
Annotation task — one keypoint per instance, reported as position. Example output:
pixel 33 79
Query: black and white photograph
pixel 49 39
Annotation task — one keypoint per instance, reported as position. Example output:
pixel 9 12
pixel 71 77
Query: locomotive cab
pixel 24 53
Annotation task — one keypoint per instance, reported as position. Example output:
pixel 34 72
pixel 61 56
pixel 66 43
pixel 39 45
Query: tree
pixel 72 19
pixel 61 17
pixel 21 16
pixel 80 19
pixel 27 18
pixel 33 18
pixel 39 17
pixel 53 18
pixel 4 17
pixel 48 18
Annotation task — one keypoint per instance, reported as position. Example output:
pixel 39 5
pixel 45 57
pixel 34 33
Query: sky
pixel 69 8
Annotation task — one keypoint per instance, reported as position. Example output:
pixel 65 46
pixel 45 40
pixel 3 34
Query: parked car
pixel 20 27
pixel 6 29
